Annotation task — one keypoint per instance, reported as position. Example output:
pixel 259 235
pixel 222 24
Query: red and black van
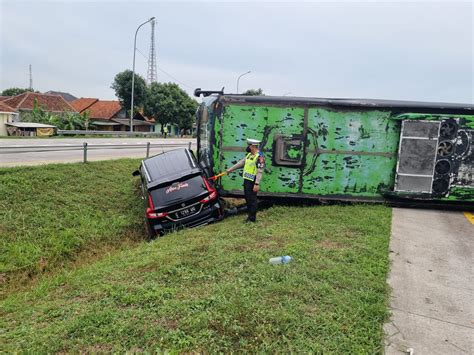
pixel 177 192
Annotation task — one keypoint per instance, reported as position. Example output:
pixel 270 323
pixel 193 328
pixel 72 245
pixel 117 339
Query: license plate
pixel 186 212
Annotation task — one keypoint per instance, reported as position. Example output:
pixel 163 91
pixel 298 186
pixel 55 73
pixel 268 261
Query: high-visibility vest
pixel 250 167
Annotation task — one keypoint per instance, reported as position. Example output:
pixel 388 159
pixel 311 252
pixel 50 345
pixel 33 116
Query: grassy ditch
pixel 212 289
pixel 50 214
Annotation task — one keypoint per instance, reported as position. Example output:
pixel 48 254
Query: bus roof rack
pixel 198 92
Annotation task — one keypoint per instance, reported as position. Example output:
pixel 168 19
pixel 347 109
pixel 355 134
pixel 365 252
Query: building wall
pixel 143 128
pixel 4 118
pixel 103 128
pixel 121 114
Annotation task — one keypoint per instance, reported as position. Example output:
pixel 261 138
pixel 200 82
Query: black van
pixel 176 192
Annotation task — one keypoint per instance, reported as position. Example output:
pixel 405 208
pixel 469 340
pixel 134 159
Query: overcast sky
pixel 392 50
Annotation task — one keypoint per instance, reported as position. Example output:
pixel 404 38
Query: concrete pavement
pixel 432 300
pixel 10 154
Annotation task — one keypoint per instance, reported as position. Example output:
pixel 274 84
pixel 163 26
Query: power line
pixel 172 77
pixel 166 73
pixel 139 51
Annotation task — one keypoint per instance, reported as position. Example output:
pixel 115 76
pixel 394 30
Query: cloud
pixel 402 50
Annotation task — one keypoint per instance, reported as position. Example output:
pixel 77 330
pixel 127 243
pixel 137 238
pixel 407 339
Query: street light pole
pixel 133 71
pixel 238 79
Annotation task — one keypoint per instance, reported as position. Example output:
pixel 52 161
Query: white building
pixel 6 116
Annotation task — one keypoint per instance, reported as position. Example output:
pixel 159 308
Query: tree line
pixel 167 103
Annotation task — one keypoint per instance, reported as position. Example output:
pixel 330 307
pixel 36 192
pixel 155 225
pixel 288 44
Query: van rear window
pixel 178 191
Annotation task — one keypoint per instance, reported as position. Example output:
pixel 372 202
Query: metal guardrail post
pixel 85 152
pixel 147 149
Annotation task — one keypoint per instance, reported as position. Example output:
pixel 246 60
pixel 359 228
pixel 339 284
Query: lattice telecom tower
pixel 151 73
pixel 31 79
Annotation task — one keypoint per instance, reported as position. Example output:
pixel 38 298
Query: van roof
pixel 169 166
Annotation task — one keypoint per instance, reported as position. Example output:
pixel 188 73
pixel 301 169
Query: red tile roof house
pixel 24 103
pixel 109 115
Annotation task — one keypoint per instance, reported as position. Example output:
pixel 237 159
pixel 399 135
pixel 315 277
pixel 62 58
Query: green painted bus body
pixel 322 151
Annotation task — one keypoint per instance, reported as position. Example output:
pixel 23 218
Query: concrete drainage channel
pixel 431 278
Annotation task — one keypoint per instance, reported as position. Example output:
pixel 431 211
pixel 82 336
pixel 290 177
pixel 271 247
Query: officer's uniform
pixel 253 169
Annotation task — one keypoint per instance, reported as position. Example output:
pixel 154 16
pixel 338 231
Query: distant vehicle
pixel 342 149
pixel 176 192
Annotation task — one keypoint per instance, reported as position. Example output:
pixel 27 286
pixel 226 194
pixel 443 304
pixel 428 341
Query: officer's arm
pixel 260 169
pixel 239 165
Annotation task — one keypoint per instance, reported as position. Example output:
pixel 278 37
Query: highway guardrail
pixel 85 147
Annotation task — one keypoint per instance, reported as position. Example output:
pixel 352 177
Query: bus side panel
pixel 462 188
pixel 358 176
pixel 238 124
pixel 259 122
pixel 350 152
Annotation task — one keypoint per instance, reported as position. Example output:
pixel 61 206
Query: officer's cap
pixel 253 141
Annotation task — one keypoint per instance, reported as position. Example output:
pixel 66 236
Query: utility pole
pixel 151 73
pixel 238 79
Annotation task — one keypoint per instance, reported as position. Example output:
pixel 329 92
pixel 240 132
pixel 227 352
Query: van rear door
pixel 178 192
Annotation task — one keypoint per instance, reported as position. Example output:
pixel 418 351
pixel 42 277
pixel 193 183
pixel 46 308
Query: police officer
pixel 253 164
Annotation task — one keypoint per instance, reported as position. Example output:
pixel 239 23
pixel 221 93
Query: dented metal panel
pixel 346 149
pixel 350 152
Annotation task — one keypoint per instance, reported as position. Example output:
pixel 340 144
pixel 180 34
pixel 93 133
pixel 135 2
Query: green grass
pixel 206 289
pixel 48 214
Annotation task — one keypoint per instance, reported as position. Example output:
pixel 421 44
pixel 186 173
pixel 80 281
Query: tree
pixel 13 91
pixel 86 119
pixel 168 103
pixel 68 121
pixel 123 89
pixel 37 115
pixel 254 92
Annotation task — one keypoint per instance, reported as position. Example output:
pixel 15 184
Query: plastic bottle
pixel 280 260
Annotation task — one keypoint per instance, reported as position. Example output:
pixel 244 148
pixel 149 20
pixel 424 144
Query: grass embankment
pixel 48 214
pixel 206 289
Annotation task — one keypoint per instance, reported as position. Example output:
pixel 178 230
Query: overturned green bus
pixel 342 149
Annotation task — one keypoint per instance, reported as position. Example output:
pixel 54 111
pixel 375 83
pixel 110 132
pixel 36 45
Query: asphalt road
pixel 432 281
pixel 11 150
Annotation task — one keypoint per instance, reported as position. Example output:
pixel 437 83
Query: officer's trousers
pixel 250 199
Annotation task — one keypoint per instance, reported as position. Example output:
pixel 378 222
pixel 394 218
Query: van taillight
pixel 212 196
pixel 212 192
pixel 150 211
